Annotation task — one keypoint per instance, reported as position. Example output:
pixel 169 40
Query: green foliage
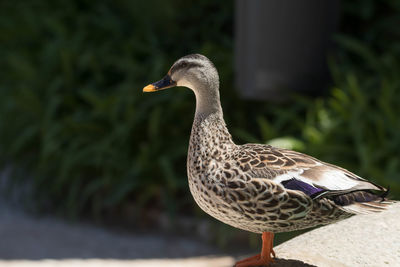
pixel 73 114
pixel 73 117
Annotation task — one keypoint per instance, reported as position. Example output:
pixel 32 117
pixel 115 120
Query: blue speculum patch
pixel 307 189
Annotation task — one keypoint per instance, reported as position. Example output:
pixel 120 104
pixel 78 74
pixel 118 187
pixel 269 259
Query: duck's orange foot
pixel 256 260
pixel 264 258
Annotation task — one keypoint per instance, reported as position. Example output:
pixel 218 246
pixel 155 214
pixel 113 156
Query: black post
pixel 283 45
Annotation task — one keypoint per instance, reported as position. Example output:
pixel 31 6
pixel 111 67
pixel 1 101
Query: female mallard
pixel 256 187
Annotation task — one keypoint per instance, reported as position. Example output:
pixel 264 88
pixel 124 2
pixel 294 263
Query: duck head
pixel 193 71
pixel 196 72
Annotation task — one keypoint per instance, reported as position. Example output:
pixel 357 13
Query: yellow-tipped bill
pixel 164 83
pixel 149 88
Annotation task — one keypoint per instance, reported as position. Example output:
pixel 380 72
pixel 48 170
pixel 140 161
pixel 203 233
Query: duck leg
pixel 264 258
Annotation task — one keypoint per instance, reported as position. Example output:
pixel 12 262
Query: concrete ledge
pixel 362 240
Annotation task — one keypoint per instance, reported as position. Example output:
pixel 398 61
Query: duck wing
pixel 317 179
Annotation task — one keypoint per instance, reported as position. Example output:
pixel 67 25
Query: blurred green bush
pixel 74 121
pixel 73 114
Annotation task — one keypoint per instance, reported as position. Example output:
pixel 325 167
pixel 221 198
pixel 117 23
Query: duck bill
pixel 164 83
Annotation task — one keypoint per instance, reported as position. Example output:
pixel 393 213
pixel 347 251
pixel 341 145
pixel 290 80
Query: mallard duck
pixel 257 187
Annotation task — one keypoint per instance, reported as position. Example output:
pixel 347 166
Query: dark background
pixel 79 139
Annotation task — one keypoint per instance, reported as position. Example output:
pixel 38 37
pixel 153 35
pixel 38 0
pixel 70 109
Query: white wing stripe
pixel 331 180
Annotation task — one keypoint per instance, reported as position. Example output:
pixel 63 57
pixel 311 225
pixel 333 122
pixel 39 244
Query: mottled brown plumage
pixel 234 183
pixel 257 187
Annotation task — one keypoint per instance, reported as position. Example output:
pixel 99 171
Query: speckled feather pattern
pixel 233 183
pixel 257 187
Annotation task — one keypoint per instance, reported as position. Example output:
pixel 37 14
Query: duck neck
pixel 208 102
pixel 210 133
pixel 209 127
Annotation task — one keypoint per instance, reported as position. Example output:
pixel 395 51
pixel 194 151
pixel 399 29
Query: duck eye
pixel 184 64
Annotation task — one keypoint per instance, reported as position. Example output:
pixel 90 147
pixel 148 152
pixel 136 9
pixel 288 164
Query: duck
pixel 257 187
